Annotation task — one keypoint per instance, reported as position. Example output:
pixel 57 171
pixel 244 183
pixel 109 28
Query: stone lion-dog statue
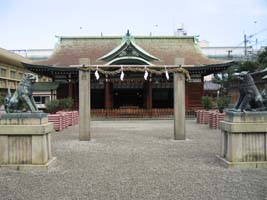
pixel 250 98
pixel 23 95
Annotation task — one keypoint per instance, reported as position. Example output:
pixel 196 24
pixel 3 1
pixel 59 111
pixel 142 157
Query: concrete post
pixel 179 106
pixel 84 105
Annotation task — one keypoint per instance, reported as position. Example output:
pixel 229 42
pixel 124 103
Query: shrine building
pixel 112 97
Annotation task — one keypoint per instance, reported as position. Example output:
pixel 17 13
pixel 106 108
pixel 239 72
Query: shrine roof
pixel 161 50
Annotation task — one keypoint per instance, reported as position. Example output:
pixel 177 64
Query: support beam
pixel 84 106
pixel 179 106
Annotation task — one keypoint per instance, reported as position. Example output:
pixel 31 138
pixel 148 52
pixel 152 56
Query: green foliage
pixel 52 106
pixel 66 104
pixel 262 59
pixel 206 102
pixel 222 102
pixel 62 104
pixel 249 66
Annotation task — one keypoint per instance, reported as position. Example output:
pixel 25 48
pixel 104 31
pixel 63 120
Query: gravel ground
pixel 136 159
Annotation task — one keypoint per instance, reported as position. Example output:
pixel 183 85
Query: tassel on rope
pixel 122 74
pixel 96 73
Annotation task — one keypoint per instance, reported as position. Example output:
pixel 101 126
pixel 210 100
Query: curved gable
pixel 128 49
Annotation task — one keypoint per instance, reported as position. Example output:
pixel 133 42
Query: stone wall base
pixel 228 164
pixel 29 166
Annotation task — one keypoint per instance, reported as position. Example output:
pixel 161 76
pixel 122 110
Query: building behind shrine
pixel 133 93
pixel 11 70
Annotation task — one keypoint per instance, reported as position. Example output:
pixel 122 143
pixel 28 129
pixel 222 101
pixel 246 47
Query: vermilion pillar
pixel 70 89
pixel 107 94
pixel 149 94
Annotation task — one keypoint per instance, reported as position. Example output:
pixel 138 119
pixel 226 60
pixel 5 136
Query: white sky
pixel 34 23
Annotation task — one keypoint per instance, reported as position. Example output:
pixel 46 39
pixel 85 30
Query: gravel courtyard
pixel 135 159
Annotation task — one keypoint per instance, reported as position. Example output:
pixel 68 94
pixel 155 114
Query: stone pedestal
pixel 25 141
pixel 244 139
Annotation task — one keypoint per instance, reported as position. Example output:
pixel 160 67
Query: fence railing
pixel 136 113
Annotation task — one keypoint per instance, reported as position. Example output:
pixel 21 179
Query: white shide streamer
pixel 122 74
pixel 167 74
pixel 96 74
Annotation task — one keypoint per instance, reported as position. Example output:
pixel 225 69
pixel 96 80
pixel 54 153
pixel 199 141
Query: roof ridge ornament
pixel 128 33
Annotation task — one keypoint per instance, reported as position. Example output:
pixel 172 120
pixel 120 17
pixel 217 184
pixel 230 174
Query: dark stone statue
pixel 250 98
pixel 23 95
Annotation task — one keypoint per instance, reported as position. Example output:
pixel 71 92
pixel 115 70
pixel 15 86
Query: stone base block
pixel 29 166
pixel 244 139
pixel 26 146
pixel 228 164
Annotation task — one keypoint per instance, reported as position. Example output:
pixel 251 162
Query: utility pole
pixel 245 46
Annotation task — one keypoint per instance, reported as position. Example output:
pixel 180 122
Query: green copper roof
pixel 45 86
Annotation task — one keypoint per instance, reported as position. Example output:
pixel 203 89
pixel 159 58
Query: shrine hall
pixel 134 96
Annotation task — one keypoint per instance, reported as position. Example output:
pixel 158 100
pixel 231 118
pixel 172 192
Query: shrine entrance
pixel 131 97
pixel 128 98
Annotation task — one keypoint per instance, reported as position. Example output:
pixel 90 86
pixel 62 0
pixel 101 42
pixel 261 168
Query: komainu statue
pixel 250 98
pixel 23 95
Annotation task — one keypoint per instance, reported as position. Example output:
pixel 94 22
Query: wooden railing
pixel 136 113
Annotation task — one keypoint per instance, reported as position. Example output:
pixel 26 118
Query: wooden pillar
pixel 149 94
pixel 84 106
pixel 107 94
pixel 179 106
pixel 70 91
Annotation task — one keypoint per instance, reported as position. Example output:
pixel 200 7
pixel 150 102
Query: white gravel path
pixel 135 159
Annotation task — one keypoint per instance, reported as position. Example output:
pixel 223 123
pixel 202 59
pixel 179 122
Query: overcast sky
pixel 29 24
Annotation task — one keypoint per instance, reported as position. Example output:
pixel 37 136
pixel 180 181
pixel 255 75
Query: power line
pixel 259 42
pixel 252 35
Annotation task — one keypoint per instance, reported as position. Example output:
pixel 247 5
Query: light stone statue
pixel 23 95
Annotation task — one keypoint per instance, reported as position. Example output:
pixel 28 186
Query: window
pixel 3 72
pixel 37 99
pixel 20 75
pixel 12 74
pixel 41 99
pixel 2 83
